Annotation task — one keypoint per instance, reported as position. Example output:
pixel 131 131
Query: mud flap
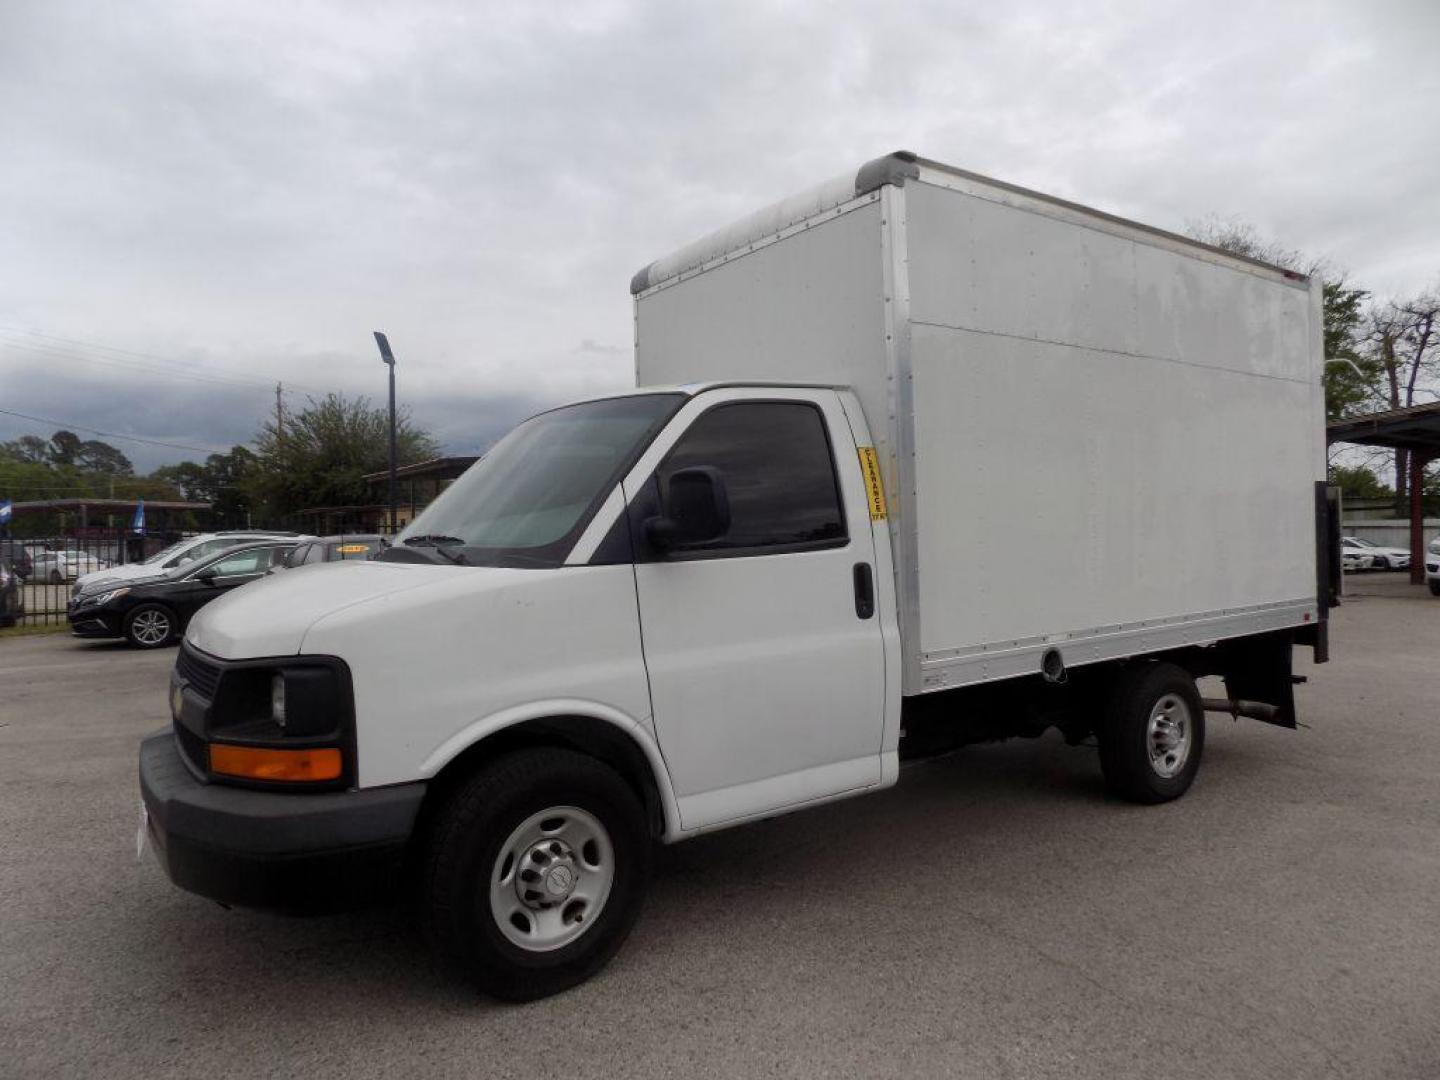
pixel 1259 669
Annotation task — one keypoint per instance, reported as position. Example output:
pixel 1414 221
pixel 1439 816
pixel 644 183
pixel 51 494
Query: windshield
pixel 527 500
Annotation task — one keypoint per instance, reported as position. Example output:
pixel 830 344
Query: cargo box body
pixel 1095 436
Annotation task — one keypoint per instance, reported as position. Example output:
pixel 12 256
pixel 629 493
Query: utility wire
pixel 62 425
pixel 51 353
pixel 95 346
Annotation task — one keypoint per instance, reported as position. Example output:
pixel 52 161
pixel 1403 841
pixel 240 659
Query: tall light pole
pixel 388 358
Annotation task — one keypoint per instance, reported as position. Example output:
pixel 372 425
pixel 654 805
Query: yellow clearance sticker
pixel 870 467
pixel 353 549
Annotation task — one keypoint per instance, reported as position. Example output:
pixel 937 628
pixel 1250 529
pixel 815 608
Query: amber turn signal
pixel 260 763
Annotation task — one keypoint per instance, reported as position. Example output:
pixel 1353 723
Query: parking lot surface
pixel 995 915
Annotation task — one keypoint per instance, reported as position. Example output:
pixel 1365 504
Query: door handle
pixel 864 591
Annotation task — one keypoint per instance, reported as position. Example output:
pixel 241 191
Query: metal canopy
pixel 1416 429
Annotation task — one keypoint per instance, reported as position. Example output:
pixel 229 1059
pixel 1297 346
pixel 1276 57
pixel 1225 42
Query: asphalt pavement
pixel 994 915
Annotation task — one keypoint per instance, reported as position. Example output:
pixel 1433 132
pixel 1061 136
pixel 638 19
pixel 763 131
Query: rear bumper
pixel 290 852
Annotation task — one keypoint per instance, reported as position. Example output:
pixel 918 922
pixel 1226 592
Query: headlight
pixel 285 722
pixel 103 598
pixel 281 701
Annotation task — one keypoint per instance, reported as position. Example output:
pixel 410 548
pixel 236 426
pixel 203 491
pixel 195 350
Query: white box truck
pixel 922 459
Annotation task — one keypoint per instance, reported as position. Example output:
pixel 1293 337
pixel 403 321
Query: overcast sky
pixel 242 192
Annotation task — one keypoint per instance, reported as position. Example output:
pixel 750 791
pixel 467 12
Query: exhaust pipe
pixel 1255 710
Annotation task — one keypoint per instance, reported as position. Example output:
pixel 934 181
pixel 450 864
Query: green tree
pixel 95 456
pixel 29 448
pixel 321 454
pixel 1358 482
pixel 64 448
pixel 1352 377
pixel 223 480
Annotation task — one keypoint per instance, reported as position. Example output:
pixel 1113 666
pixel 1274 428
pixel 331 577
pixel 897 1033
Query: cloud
pixel 251 190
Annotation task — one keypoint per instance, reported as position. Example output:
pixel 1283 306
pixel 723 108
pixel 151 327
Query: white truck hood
pixel 271 617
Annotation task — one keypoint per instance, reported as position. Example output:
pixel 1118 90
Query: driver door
pixel 766 664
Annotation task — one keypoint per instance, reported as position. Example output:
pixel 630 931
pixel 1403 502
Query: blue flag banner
pixel 5 511
pixel 137 526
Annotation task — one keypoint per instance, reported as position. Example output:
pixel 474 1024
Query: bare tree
pixel 1403 338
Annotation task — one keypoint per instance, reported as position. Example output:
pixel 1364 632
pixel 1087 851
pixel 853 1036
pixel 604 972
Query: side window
pixel 200 551
pixel 246 562
pixel 775 460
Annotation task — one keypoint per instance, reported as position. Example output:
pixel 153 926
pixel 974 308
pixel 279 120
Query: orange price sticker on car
pixel 870 468
pixel 353 549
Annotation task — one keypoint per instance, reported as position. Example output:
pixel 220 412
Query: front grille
pixel 193 747
pixel 200 674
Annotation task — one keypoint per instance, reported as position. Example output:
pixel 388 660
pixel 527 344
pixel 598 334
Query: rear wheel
pixel 1152 733
pixel 1434 584
pixel 535 871
pixel 149 626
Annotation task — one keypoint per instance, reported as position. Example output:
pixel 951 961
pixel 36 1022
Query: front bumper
pixel 94 623
pixel 298 852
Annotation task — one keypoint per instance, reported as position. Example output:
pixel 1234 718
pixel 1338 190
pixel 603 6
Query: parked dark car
pixel 318 549
pixel 151 612
pixel 14 553
pixel 12 599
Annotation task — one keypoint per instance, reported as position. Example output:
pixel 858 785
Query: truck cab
pixel 689 590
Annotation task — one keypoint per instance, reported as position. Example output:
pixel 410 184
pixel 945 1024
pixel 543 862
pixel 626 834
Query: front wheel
pixel 535 871
pixel 1152 733
pixel 149 626
pixel 1434 584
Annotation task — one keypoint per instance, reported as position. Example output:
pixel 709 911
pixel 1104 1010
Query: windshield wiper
pixel 439 543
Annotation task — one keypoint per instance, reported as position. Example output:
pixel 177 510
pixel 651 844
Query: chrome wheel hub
pixel 551 878
pixel 548 874
pixel 1167 735
pixel 151 627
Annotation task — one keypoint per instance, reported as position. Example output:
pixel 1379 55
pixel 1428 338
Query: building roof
pixel 442 468
pixel 1414 428
pixel 107 505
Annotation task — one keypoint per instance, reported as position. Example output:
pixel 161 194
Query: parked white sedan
pixel 59 566
pixel 1381 558
pixel 1354 557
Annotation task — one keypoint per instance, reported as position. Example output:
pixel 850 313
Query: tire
pixel 150 626
pixel 497 829
pixel 1434 584
pixel 1145 706
pixel 55 578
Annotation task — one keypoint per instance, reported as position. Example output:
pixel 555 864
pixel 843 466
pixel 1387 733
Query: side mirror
pixel 697 510
pixel 208 575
